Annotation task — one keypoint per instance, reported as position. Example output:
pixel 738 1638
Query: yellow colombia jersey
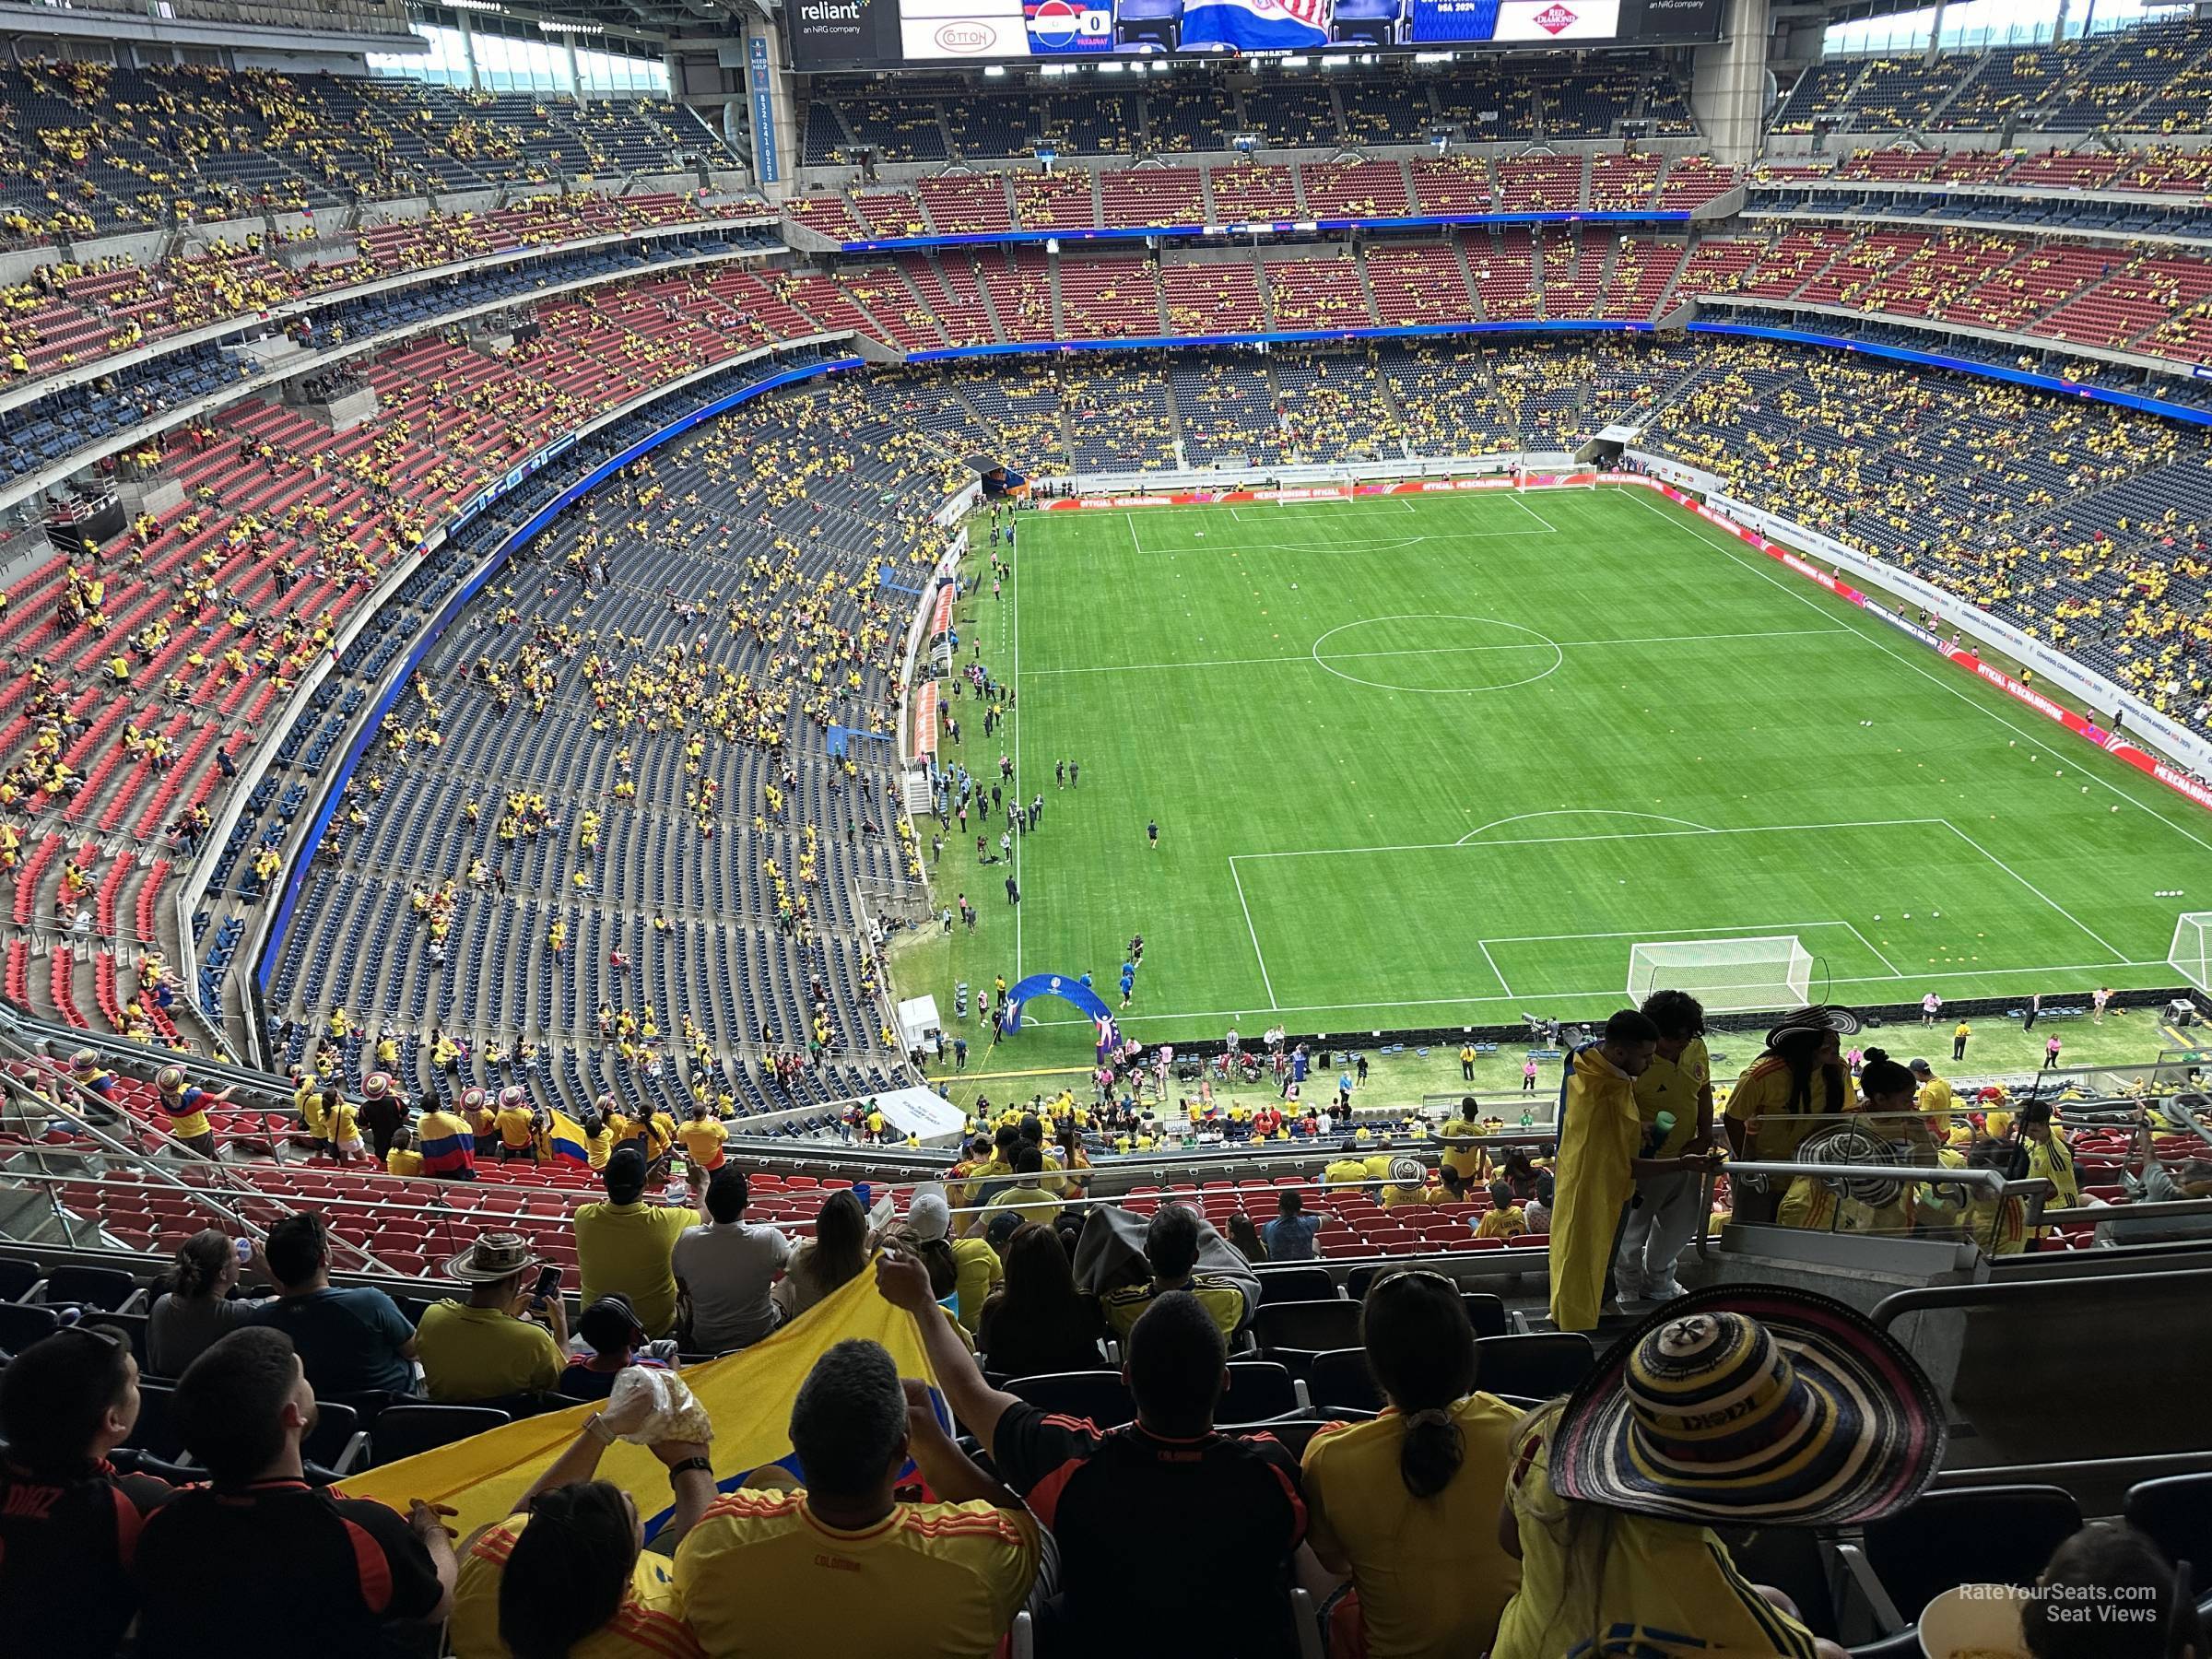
pixel 1934 1097
pixel 1344 1171
pixel 1463 1161
pixel 1673 1086
pixel 702 1139
pixel 1431 1574
pixel 1221 1299
pixel 649 1620
pixel 759 1574
pixel 1766 1086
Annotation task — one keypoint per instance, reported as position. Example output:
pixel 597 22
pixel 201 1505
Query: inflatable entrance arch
pixel 1068 988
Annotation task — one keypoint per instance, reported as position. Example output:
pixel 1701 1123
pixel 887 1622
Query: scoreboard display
pixel 890 34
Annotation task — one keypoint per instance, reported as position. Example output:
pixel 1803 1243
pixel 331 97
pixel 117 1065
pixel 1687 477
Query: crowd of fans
pixel 1453 1522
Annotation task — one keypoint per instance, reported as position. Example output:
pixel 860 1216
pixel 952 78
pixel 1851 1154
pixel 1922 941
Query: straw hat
pixel 1751 1403
pixel 494 1257
pixel 376 1084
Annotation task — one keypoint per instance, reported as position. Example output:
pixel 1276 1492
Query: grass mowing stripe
pixel 1152 659
pixel 1889 650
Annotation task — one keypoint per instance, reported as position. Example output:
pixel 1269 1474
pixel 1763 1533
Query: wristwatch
pixel 701 1463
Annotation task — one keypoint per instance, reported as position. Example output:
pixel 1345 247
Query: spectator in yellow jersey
pixel 344 1120
pixel 1347 1168
pixel 403 1159
pixel 1469 1160
pixel 517 1120
pixel 186 1104
pixel 2048 1158
pixel 1407 1505
pixel 1174 1240
pixel 1674 1103
pixel 1612 1496
pixel 1034 1196
pixel 1935 1099
pixel 625 1244
pixel 569 1573
pixel 1797 1077
pixel 842 1565
pixel 1408 1186
pixel 1601 1157
pixel 598 1140
pixel 703 1134
pixel 492 1345
pixel 1505 1219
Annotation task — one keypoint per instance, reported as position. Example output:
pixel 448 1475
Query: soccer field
pixel 1443 761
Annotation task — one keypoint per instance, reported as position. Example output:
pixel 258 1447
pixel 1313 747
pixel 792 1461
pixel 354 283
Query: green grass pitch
pixel 1437 761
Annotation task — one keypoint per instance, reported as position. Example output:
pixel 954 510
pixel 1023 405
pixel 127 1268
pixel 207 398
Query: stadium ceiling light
pixel 556 27
pixel 478 5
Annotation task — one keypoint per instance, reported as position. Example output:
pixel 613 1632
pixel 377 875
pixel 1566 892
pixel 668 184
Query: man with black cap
pixel 626 1246
pixel 489 1346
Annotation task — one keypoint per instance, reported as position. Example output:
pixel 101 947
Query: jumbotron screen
pixel 887 34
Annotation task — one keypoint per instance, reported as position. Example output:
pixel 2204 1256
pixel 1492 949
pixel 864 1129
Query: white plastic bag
pixel 649 1405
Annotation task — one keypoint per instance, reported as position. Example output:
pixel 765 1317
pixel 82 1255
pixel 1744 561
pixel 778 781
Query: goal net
pixel 1726 975
pixel 2190 954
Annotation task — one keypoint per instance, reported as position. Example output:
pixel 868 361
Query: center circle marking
pixel 1509 653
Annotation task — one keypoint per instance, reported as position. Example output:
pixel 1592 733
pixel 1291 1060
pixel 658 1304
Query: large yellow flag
pixel 747 1395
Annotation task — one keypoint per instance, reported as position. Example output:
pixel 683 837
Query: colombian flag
pixel 747 1395
pixel 565 1138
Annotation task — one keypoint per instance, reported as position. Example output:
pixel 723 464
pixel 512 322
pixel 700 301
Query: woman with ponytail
pixel 1798 1076
pixel 1408 1504
pixel 195 1306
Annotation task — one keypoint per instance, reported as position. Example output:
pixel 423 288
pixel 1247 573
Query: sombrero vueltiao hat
pixel 1819 1016
pixel 1848 1145
pixel 1747 1404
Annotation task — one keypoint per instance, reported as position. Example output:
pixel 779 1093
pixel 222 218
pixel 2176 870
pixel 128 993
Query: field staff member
pixel 1601 1140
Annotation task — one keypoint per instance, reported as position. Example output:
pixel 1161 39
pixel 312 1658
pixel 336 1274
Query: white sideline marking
pixel 1878 956
pixel 1696 528
pixel 1779 633
pixel 1484 946
pixel 2062 910
pixel 1550 528
pixel 1255 932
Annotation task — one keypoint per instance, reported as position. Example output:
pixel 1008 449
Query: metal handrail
pixel 1935 1299
pixel 12 1088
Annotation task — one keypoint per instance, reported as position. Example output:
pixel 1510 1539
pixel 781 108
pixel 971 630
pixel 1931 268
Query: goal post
pixel 2190 954
pixel 1729 976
